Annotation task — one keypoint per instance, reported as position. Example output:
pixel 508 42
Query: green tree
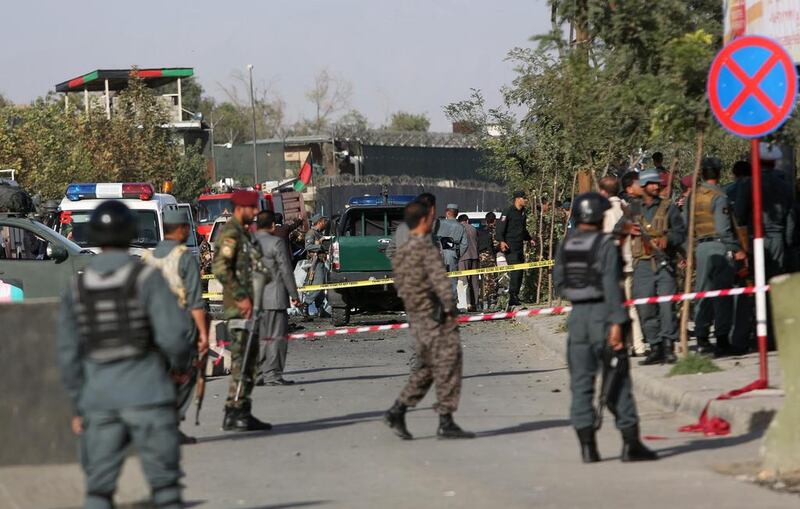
pixel 405 121
pixel 352 123
pixel 190 177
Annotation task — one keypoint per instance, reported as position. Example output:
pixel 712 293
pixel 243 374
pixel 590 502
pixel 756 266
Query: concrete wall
pixel 34 407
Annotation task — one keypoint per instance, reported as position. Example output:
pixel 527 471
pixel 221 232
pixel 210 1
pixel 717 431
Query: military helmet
pixel 112 224
pixel 588 208
pixel 711 163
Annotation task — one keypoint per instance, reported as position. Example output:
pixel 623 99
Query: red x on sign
pixel 752 86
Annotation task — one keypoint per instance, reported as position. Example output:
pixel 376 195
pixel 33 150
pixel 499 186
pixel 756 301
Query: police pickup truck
pixel 358 253
pixel 35 261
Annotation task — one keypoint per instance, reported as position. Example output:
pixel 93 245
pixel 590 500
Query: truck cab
pixel 358 253
pixel 35 261
pixel 147 205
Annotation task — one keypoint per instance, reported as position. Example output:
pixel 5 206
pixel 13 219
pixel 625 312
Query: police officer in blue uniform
pixel 120 326
pixel 588 273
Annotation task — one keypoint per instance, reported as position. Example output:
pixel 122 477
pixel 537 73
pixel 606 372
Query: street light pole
pixel 253 108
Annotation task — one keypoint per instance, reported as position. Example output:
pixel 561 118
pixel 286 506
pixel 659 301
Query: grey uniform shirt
pixel 455 230
pixel 141 381
pixel 612 311
pixel 401 236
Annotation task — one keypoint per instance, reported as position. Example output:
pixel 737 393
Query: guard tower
pixel 110 81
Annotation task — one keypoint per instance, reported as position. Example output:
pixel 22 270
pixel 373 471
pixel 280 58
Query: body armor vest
pixel 583 275
pixel 169 267
pixel 704 226
pixel 111 319
pixel 654 228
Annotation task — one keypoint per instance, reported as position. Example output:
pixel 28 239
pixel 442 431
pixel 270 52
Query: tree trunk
pixel 550 243
pixel 782 441
pixel 540 236
pixel 687 284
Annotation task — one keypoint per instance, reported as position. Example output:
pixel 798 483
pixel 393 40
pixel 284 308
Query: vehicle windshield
pixel 44 231
pixel 75 226
pixel 210 209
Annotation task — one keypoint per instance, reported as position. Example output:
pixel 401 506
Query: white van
pixel 147 205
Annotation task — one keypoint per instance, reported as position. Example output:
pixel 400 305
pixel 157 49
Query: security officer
pixel 237 256
pixel 317 272
pixel 423 285
pixel 113 363
pixel 658 232
pixel 453 239
pixel 778 223
pixel 588 273
pixel 487 257
pixel 182 272
pixel 512 234
pixel 716 248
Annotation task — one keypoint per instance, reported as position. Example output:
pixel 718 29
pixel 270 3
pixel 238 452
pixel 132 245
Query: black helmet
pixel 112 224
pixel 711 163
pixel 588 208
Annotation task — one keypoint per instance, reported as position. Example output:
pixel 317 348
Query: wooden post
pixel 667 191
pixel 550 243
pixel 687 285
pixel 540 234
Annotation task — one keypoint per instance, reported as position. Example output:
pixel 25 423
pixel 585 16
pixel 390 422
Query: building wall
pixel 237 162
pixel 451 163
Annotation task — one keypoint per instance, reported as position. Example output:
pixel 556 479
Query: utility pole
pixel 253 108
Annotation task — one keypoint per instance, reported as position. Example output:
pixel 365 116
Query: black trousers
pixel 515 254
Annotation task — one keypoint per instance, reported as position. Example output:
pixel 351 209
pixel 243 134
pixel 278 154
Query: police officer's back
pixel 588 272
pixel 120 325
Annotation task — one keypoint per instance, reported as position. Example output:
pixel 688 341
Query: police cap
pixel 112 224
pixel 176 216
pixel 649 176
pixel 589 208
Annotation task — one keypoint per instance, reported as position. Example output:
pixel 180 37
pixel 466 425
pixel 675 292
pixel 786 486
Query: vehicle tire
pixel 340 316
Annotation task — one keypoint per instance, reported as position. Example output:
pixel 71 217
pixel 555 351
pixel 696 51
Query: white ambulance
pixel 147 205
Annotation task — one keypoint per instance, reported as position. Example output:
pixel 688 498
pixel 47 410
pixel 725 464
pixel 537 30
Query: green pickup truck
pixel 358 253
pixel 35 261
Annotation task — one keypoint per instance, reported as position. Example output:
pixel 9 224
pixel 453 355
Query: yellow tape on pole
pixel 389 281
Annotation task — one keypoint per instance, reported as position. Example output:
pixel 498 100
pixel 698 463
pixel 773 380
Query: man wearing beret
pixel 237 256
pixel 182 272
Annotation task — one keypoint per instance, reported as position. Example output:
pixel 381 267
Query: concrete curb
pixel 743 416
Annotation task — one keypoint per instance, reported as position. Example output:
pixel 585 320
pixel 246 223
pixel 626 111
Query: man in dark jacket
pixel 512 234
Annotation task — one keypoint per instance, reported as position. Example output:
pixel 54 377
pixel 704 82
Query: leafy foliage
pixel 693 364
pixel 52 147
pixel 404 121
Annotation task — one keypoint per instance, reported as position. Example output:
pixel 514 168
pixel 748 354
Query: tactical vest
pixel 111 319
pixel 704 226
pixel 170 269
pixel 583 275
pixel 654 228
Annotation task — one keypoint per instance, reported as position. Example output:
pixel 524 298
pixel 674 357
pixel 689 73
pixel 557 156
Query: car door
pixel 25 266
pixel 192 242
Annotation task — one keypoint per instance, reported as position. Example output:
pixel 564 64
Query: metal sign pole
pixel 758 259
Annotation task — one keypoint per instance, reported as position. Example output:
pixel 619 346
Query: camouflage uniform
pixel 237 256
pixel 421 281
pixel 206 257
pixel 488 258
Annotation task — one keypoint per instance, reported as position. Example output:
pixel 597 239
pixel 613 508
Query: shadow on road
pixel 349 379
pixel 289 505
pixel 300 427
pixel 508 373
pixel 709 444
pixel 526 427
pixel 332 368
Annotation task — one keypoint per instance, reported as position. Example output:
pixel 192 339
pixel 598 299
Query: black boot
pixel 669 354
pixel 656 356
pixel 229 419
pixel 244 421
pixel 632 447
pixel 723 347
pixel 449 429
pixel 306 316
pixel 704 346
pixel 395 418
pixel 586 437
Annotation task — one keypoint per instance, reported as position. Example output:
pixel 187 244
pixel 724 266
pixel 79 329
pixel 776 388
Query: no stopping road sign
pixel 752 86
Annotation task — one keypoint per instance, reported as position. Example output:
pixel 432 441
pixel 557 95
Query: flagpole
pixel 253 108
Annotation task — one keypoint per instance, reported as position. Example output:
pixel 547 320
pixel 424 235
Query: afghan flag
pixel 304 177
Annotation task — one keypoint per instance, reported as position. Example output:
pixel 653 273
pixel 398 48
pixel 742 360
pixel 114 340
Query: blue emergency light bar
pixel 89 191
pixel 377 199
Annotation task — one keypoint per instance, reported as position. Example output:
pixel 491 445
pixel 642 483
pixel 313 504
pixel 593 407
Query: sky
pixel 410 55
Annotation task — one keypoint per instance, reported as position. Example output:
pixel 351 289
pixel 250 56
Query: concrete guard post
pixel 781 449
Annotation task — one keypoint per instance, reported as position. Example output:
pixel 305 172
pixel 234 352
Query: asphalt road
pixel 329 447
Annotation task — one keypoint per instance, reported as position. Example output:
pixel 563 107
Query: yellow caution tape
pixel 389 281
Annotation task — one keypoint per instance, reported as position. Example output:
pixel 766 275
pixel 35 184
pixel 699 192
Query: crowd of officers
pixel 134 333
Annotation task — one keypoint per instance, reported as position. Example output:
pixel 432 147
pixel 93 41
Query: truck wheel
pixel 340 316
